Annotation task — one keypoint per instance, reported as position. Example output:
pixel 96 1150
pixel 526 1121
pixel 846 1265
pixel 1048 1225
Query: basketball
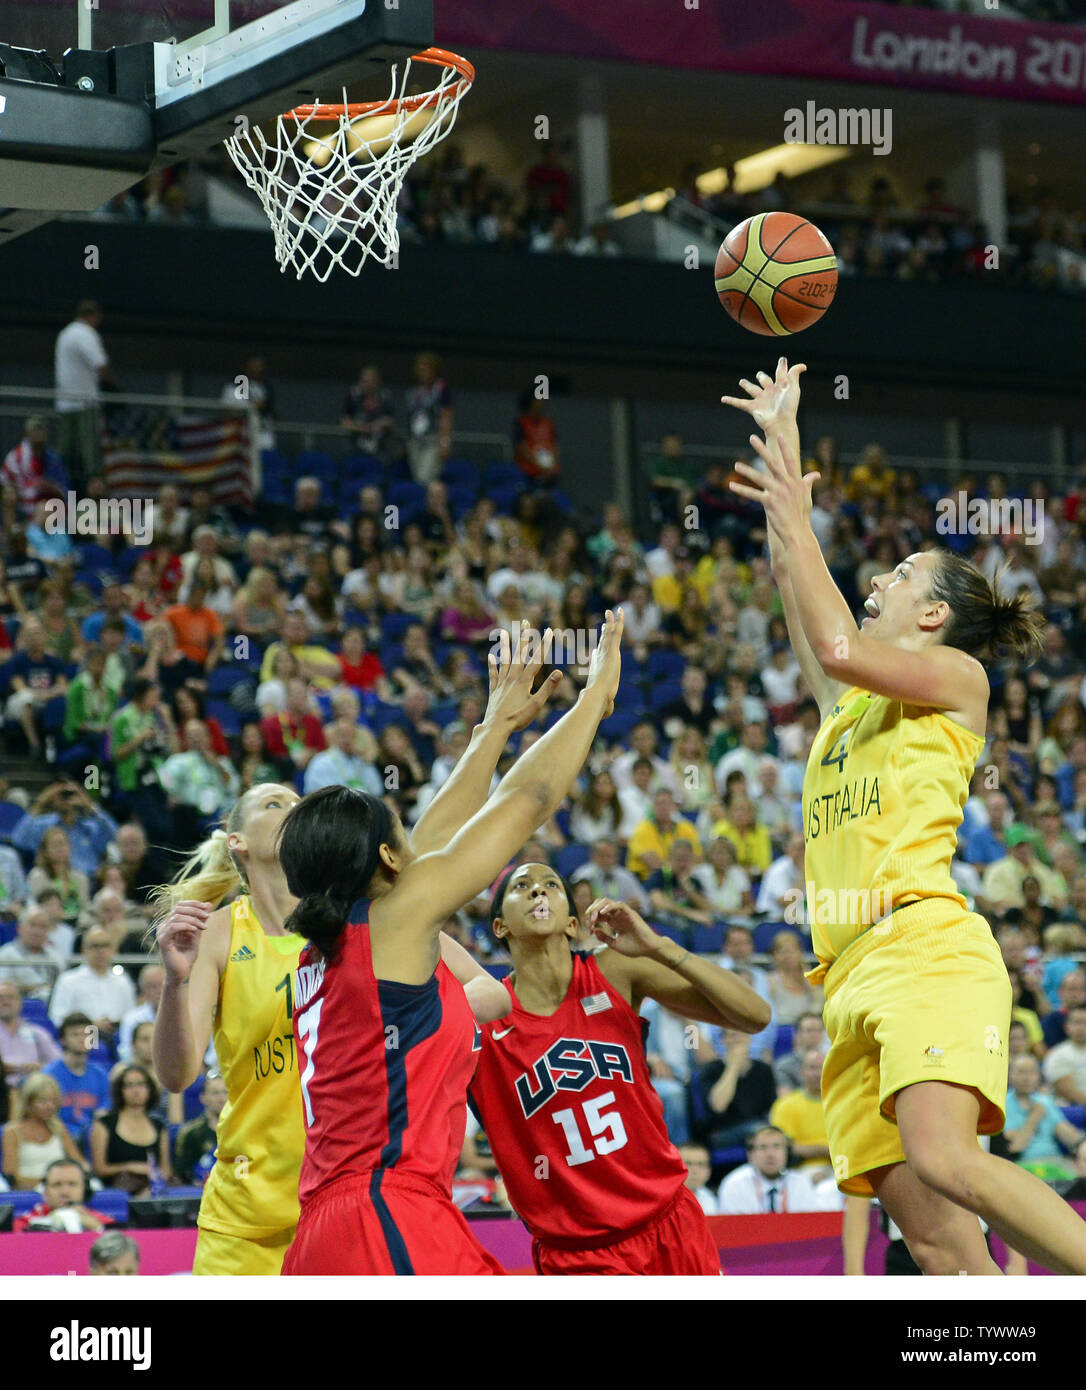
pixel 776 274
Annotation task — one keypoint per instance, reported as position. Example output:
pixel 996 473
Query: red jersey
pixel 384 1067
pixel 574 1089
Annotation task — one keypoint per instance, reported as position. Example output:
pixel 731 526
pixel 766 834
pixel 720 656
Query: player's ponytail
pixel 984 621
pixel 329 847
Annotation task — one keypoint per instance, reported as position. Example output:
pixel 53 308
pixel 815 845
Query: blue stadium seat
pixel 617 727
pixel 665 664
pixel 95 557
pixel 227 715
pixel 498 971
pixel 364 466
pixel 708 941
pixel 384 715
pixel 663 692
pixel 277 491
pixel 561 819
pixel 764 933
pixel 1075 1115
pixel 172 1131
pixel 110 1201
pixel 129 559
pixel 21 1202
pixel 570 858
pixel 87 579
pixel 35 1011
pixel 10 815
pixel 728 1158
pixel 444 713
pixel 8 930
pixel 408 496
pixel 223 679
pixel 502 475
pixel 678 934
pixel 394 625
pixel 323 700
pixel 461 473
pixel 274 464
pixel 317 463
pixel 190 1100
pixel 785 1034
pixel 503 497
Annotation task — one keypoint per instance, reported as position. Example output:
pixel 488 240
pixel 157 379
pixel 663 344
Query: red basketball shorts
pixel 677 1242
pixel 385 1223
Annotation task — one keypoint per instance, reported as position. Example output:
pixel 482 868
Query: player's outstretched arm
pixel 510 707
pixel 488 998
pixel 434 886
pixel 644 964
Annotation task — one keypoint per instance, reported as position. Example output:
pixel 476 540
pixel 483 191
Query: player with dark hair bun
pixel 385 1037
pixel 563 1088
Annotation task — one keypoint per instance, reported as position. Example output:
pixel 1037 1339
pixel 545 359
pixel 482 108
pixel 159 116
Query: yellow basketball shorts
pixel 219 1253
pixel 922 997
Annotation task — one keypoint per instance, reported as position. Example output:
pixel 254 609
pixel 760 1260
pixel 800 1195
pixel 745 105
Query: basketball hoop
pixel 329 177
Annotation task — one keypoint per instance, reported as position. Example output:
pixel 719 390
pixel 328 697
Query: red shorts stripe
pixel 385 1223
pixel 678 1242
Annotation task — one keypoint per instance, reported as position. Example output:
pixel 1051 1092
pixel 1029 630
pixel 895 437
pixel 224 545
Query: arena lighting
pixel 752 173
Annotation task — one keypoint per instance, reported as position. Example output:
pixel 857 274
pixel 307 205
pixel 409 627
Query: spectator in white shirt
pixel 723 881
pixel 81 366
pixel 598 813
pixel 636 799
pixel 673 1046
pixel 98 988
pixel 643 619
pixel 339 765
pixel 643 745
pixel 661 560
pixel 610 879
pixel 782 889
pixel 12 880
pixel 698 1167
pixel 27 960
pixel 765 1183
pixel 1065 1065
pixel 151 980
pixel 533 586
pixel 24 1047
pixel 747 758
pixel 739 952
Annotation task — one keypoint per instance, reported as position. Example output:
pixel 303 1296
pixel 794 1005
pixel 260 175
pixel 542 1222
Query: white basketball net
pixel 329 179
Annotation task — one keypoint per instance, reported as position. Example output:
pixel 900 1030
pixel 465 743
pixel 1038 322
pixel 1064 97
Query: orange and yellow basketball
pixel 776 273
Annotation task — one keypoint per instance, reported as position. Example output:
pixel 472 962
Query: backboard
pixel 95 94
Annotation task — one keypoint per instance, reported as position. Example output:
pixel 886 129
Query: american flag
pixel 144 448
pixel 595 1003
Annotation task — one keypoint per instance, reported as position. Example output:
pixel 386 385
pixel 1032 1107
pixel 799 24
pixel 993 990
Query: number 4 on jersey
pixel 839 752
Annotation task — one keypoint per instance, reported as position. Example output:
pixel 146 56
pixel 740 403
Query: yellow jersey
pixel 883 795
pixel 253 1188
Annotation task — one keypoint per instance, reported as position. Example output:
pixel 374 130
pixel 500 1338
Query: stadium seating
pixel 570 858
pixel 10 815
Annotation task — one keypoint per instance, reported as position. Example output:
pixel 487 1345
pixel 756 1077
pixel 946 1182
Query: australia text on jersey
pixel 826 813
pixel 571 1064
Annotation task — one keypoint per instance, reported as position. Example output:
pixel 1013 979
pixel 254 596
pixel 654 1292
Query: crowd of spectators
pixel 889 232
pixel 312 643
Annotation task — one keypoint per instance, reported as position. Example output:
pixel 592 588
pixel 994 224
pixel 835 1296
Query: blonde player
pixel 917 995
pixel 229 975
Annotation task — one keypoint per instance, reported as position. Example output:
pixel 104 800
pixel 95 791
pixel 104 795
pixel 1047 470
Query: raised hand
pixel 512 674
pixel 605 667
pixel 782 489
pixel 773 403
pixel 179 938
pixel 621 928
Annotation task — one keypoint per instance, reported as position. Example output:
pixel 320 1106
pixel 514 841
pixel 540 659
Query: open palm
pixel 773 403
